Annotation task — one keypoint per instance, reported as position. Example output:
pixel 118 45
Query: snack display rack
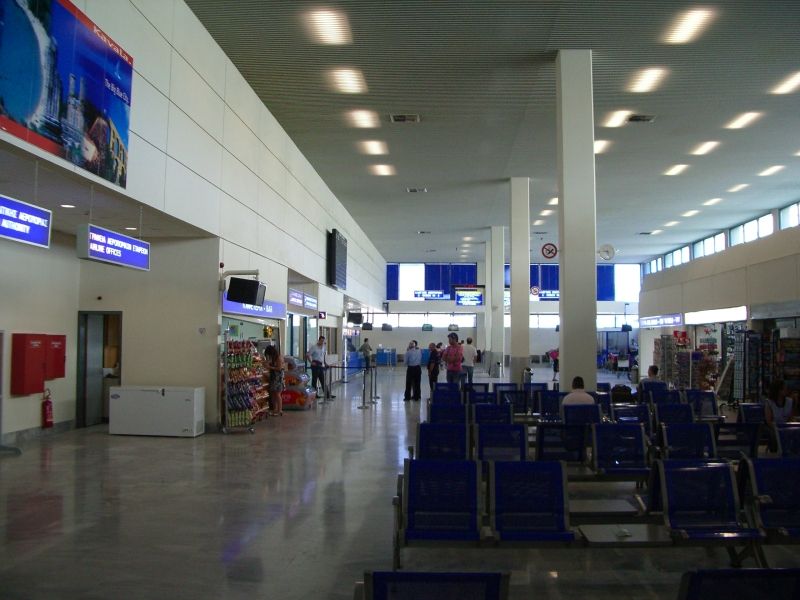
pixel 245 394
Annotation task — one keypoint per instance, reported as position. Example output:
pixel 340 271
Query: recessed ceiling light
pixel 743 120
pixel 690 213
pixel 688 26
pixel 788 85
pixel 676 169
pixel 771 170
pixel 704 148
pixel 656 231
pixel 712 202
pixel 130 229
pixel 373 147
pixel 363 118
pixel 601 146
pixel 618 118
pixel 67 206
pixel 329 27
pixel 797 153
pixel 738 187
pixel 553 202
pixel 538 222
pixel 671 223
pixel 468 238
pixel 546 212
pixel 466 245
pixel 382 169
pixel 347 81
pixel 647 80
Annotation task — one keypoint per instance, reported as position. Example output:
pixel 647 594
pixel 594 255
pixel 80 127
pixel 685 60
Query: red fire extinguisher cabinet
pixel 55 357
pixel 28 363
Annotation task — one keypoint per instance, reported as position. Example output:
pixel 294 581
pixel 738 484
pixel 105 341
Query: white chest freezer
pixel 153 410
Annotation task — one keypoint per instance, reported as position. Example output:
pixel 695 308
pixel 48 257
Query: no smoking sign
pixel 549 250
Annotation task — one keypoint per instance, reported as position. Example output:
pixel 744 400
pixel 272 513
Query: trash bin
pixel 635 374
pixel 497 370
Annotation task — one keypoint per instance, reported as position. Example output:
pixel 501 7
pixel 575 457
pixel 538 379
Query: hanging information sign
pixel 23 222
pixel 104 245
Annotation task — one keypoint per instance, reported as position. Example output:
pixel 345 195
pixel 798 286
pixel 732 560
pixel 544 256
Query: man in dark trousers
pixel 413 360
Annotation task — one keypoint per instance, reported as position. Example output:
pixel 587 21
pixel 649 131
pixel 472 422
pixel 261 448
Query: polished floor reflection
pixel 297 510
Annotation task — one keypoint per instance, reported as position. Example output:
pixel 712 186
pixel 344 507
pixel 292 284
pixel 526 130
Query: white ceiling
pixel 481 75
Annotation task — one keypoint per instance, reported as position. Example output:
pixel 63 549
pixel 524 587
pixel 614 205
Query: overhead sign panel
pixel 104 245
pixel 23 222
pixel 471 297
pixel 295 297
pixel 671 320
pixel 269 310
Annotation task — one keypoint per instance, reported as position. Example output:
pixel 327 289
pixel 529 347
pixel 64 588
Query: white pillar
pixel 496 248
pixel 520 276
pixel 483 320
pixel 577 218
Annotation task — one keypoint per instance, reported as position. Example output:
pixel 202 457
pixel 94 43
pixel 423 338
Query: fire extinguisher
pixel 47 410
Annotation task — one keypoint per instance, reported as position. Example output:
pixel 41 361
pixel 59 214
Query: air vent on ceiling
pixel 422 232
pixel 641 119
pixel 429 250
pixel 407 118
pixel 538 233
pixel 645 233
pixel 417 190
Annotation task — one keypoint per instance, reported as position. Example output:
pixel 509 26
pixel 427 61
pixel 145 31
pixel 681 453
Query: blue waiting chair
pixel 500 388
pixel 751 412
pixel 442 441
pixel 483 388
pixel 688 441
pixel 519 401
pixel 580 414
pixel 741 584
pixel 665 397
pixel 773 490
pixel 701 506
pixel 603 400
pixel 507 442
pixel 604 387
pixel 492 413
pixel 529 502
pixel 556 441
pixel 440 500
pixel 633 413
pixel 446 412
pixel 447 395
pixel 476 397
pixel 550 406
pixel 415 585
pixel 704 404
pixel 673 413
pixel 737 440
pixel 788 438
pixel 447 385
pixel 619 451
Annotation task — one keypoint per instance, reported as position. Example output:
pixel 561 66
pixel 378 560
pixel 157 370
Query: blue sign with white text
pixel 271 310
pixel 97 243
pixel 23 222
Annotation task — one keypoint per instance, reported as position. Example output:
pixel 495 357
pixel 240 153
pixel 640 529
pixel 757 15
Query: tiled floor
pixel 296 511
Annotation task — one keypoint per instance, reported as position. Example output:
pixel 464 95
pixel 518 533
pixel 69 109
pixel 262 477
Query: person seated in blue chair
pixel 578 395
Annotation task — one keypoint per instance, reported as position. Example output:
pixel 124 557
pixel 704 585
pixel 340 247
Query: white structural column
pixel 577 218
pixel 496 251
pixel 483 320
pixel 520 276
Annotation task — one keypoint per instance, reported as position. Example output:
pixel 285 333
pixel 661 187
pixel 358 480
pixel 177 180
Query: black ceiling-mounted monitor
pixel 337 260
pixel 356 318
pixel 246 291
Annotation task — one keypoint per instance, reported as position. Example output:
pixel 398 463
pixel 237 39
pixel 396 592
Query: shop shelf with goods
pixel 788 361
pixel 693 370
pixel 245 394
pixel 769 353
pixel 747 366
pixel 665 355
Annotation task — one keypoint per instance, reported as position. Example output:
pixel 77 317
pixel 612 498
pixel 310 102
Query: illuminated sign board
pixel 431 295
pixel 471 297
pixel 295 297
pixel 104 245
pixel 672 320
pixel 271 310
pixel 23 222
pixel 309 302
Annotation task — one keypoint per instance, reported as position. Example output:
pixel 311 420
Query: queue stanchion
pixel 364 403
pixel 374 381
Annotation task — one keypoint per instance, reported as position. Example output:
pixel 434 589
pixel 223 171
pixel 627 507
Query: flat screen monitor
pixel 337 260
pixel 246 291
pixel 469 296
pixel 355 318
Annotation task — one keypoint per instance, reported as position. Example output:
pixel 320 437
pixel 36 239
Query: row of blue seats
pixel 441 501
pixel 703 584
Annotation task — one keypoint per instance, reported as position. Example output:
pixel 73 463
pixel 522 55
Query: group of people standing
pixel 457 358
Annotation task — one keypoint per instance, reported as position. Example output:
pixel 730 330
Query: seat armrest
pixel 399 485
pixel 411 452
pixel 764 499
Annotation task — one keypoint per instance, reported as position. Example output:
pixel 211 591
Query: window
pixel 751 231
pixel 627 283
pixel 719 242
pixel 549 321
pixel 698 250
pixel 606 321
pixel 766 225
pixel 789 217
pixel 737 235
pixel 668 261
pixel 685 255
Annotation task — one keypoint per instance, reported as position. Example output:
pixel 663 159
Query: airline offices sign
pixel 23 222
pixel 104 245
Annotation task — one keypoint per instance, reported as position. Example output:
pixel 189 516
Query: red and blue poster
pixel 65 86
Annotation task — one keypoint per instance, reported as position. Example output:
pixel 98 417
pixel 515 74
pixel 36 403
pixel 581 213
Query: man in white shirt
pixel 470 354
pixel 317 354
pixel 578 395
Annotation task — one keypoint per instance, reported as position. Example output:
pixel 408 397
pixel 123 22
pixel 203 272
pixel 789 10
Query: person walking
pixel 413 359
pixel 318 354
pixel 554 358
pixel 366 351
pixel 452 356
pixel 470 354
pixel 433 366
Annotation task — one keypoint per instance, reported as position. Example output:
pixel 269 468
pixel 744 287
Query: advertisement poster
pixel 65 86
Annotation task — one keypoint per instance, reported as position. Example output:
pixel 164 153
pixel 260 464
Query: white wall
pixel 169 315
pixel 39 294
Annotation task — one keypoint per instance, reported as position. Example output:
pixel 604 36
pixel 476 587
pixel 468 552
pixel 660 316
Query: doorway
pixel 99 364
